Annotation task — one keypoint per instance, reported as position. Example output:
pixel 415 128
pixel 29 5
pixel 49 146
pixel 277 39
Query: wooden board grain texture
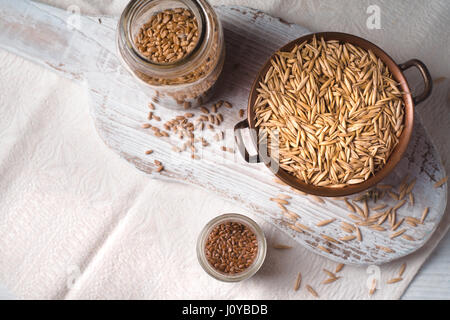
pixel 87 54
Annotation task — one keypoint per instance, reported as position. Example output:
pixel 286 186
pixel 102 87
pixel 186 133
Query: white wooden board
pixel 44 35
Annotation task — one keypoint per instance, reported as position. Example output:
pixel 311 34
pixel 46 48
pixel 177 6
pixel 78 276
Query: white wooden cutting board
pixel 87 53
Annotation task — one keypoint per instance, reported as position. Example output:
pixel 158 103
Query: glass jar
pixel 260 256
pixel 187 82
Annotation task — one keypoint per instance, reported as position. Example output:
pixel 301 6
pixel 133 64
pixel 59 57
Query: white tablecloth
pixel 78 222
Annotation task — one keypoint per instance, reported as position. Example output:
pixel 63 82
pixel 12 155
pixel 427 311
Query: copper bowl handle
pixel 240 142
pixel 426 78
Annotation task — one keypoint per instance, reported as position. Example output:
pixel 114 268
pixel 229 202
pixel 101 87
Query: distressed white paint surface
pixel 41 34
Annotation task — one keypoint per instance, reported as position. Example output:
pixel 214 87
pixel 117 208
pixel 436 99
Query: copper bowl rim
pixel 404 139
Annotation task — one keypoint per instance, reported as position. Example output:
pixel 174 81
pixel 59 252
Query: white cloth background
pixel 78 222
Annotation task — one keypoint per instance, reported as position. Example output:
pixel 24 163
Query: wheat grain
pixel 324 249
pixel 394 280
pixel 295 228
pixel 298 282
pixel 424 214
pixel 325 222
pixel 168 36
pixel 312 291
pixel 398 233
pixel 303 226
pixel 205 111
pixel 440 182
pixel 354 217
pixel 359 211
pixel 377 228
pixel 281 246
pixel 358 234
pixel 280 201
pixel 399 204
pixel 379 207
pixel 347 238
pixel 402 269
pixel 339 267
pixel 329 273
pixel 411 199
pixel 408 237
pixel 227 104
pixel 395 226
pixel 293 215
pixel 373 288
pixel 328 238
pixel 413 222
pixel 393 195
pixel 349 205
pixel 385 249
pixel 330 280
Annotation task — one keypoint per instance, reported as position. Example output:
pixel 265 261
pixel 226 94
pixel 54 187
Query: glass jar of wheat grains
pixel 175 48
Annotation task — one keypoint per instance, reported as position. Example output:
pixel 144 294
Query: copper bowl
pixel 397 153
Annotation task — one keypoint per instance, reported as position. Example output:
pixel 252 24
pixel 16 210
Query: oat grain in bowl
pixel 335 110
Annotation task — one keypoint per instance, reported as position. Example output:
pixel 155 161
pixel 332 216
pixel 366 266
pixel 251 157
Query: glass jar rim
pixel 253 268
pixel 125 23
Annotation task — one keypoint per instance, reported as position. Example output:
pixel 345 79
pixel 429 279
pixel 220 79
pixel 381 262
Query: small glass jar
pixel 260 256
pixel 187 82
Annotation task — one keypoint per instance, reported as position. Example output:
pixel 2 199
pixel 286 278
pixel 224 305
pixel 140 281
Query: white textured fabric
pixel 78 222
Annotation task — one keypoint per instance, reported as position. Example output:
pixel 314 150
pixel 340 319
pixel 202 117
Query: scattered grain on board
pixel 227 104
pixel 281 246
pixel 385 249
pixel 330 280
pixel 402 269
pixel 397 234
pixel 441 182
pixel 394 280
pixel 408 237
pixel 347 238
pixel 358 234
pixel 281 201
pixel 339 267
pixel 325 222
pixel 373 287
pixel 328 238
pixel 324 249
pixel 298 282
pixel 424 215
pixel 312 291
